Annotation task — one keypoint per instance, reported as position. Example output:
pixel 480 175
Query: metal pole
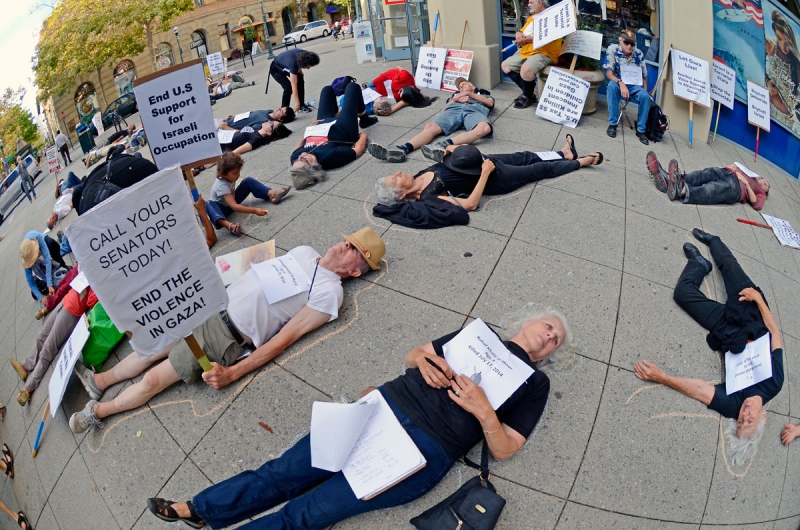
pixel 266 32
pixel 411 37
pixel 299 12
pixel 180 50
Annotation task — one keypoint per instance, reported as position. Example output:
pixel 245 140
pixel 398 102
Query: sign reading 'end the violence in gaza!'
pixel 147 260
pixel 176 113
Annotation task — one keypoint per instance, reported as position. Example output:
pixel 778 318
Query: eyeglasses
pixel 626 43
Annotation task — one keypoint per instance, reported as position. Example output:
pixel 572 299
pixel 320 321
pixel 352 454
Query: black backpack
pixel 657 123
pixel 119 171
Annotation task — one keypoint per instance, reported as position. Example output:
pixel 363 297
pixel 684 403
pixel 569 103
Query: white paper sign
pixel 430 68
pixel 563 98
pixel 746 170
pixel 723 83
pixel 335 427
pixel 758 105
pixel 388 85
pixel 148 262
pixel 215 64
pixel 225 136
pixel 631 74
pixel 370 95
pixel 584 43
pixel 176 113
pixel 549 155
pixel 321 129
pixel 79 282
pixel 749 367
pixel 53 163
pixel 783 231
pixel 458 63
pixel 70 354
pixel 553 23
pixel 690 78
pixel 242 116
pixel 476 349
pixel 281 278
pixel 97 119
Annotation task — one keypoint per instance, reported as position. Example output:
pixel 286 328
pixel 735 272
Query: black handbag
pixel 474 506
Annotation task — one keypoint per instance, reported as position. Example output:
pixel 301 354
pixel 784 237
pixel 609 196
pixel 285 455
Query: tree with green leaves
pixel 16 122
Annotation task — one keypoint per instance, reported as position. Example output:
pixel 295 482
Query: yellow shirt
pixel 552 49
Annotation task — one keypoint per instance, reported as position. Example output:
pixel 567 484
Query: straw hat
pixel 369 244
pixel 28 252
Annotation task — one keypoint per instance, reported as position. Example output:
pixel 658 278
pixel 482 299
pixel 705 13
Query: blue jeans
pixel 712 185
pixel 290 476
pixel 137 138
pixel 217 210
pixel 638 95
pixel 71 182
pixel 26 182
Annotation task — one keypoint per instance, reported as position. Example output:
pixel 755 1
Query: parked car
pixel 124 107
pixel 343 22
pixel 11 186
pixel 303 32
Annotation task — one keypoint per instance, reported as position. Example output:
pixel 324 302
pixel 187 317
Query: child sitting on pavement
pixel 227 198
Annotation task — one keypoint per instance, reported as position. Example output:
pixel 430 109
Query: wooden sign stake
pixel 41 427
pixel 758 135
pixel 461 46
pixel 719 109
pixel 574 62
pixel 435 29
pixel 198 353
pixel 691 122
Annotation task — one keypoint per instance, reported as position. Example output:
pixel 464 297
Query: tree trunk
pixel 100 84
pixel 149 37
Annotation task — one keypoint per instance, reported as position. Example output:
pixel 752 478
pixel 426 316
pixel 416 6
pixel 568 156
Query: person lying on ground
pixel 250 322
pixel 223 87
pixel 713 185
pixel 743 318
pixel 287 70
pixel 467 109
pixel 403 92
pixel 341 143
pixel 247 140
pixel 255 118
pixel 130 137
pixel 443 412
pixel 61 209
pixel 70 183
pixel 40 251
pixel 227 197
pixel 55 332
pixel 463 176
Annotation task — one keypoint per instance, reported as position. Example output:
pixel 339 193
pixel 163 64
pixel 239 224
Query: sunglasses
pixel 626 43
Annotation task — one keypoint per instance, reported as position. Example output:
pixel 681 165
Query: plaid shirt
pixel 614 56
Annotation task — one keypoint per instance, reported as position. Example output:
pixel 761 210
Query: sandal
pixel 235 229
pixel 23 520
pixel 571 142
pixel 163 509
pixel 2 412
pixel 278 197
pixel 10 462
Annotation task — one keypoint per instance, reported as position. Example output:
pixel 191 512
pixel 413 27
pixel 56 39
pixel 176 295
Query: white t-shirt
pixel 220 189
pixel 255 317
pixel 61 140
pixel 63 206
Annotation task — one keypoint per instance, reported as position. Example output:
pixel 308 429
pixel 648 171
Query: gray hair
pixel 385 194
pixel 313 172
pixel 740 450
pixel 564 357
pixel 382 107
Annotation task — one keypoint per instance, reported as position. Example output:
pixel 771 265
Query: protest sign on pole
pixel 758 109
pixel 783 230
pixel 430 67
pixel 723 86
pixel 553 23
pixel 585 43
pixel 147 260
pixel 53 163
pixel 215 64
pixel 563 98
pixel 458 63
pixel 690 81
pixel 70 353
pixel 97 119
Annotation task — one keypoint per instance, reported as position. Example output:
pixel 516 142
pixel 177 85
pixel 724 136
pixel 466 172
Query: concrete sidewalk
pixel 602 244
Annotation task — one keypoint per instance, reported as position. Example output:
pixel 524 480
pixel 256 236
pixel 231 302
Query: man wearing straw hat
pixel 251 322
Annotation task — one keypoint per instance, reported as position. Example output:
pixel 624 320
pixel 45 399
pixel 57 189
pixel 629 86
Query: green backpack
pixel 103 336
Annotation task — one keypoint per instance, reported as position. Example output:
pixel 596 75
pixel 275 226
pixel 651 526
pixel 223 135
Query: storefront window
pixel 515 12
pixel 618 15
pixel 164 57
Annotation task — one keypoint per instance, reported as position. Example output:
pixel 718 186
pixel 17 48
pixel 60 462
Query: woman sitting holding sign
pixel 333 139
pixel 443 412
pixel 743 318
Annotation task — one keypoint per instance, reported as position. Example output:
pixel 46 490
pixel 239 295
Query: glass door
pixel 401 27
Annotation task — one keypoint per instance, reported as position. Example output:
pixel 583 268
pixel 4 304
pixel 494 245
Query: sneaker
pixel 24 396
pixel 692 253
pixel 305 108
pixel 658 174
pixel 21 372
pixel 642 138
pixel 367 121
pixel 81 421
pixel 612 131
pixel 389 154
pixel 435 151
pixel 675 180
pixel 523 102
pixel 86 377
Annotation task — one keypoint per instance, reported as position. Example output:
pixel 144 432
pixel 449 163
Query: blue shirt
pixel 614 56
pixel 45 253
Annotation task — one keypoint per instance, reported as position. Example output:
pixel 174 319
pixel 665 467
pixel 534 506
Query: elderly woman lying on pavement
pixel 445 191
pixel 744 317
pixel 444 413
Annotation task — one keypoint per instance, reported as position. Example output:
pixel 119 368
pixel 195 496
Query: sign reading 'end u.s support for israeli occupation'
pixel 148 262
pixel 176 113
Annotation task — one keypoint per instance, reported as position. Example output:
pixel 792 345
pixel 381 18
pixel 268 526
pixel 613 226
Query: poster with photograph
pixel 782 67
pixel 739 40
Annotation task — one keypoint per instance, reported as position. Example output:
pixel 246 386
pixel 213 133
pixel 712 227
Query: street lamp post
pixel 300 11
pixel 266 32
pixel 180 50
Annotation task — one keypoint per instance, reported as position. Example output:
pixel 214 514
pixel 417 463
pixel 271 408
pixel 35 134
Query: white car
pixel 303 32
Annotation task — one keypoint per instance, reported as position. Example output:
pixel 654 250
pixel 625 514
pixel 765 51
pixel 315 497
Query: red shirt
pixel 400 78
pixel 77 304
pixel 761 196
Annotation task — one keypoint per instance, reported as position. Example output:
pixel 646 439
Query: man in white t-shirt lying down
pixel 250 322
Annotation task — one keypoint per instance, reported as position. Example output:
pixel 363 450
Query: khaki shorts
pixel 216 341
pixel 535 62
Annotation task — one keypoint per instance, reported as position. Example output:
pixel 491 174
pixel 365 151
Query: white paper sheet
pixel 548 155
pixel 370 95
pixel 631 74
pixel 225 136
pixel 746 170
pixel 319 130
pixel 476 349
pixel 79 283
pixel 242 116
pixel 281 278
pixel 335 427
pixel 750 367
pixel 783 231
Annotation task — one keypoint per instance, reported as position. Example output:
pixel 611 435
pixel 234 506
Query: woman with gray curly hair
pixel 743 318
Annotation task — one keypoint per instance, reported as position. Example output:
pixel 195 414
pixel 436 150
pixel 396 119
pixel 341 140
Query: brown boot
pixel 21 372
pixel 40 314
pixel 24 396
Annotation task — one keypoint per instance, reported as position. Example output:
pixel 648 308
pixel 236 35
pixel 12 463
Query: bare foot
pixel 590 160
pixel 789 433
pixel 567 152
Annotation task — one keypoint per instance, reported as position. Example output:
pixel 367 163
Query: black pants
pixel 64 150
pixel 712 185
pixel 55 252
pixel 346 127
pixel 512 171
pixel 283 79
pixel 709 313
